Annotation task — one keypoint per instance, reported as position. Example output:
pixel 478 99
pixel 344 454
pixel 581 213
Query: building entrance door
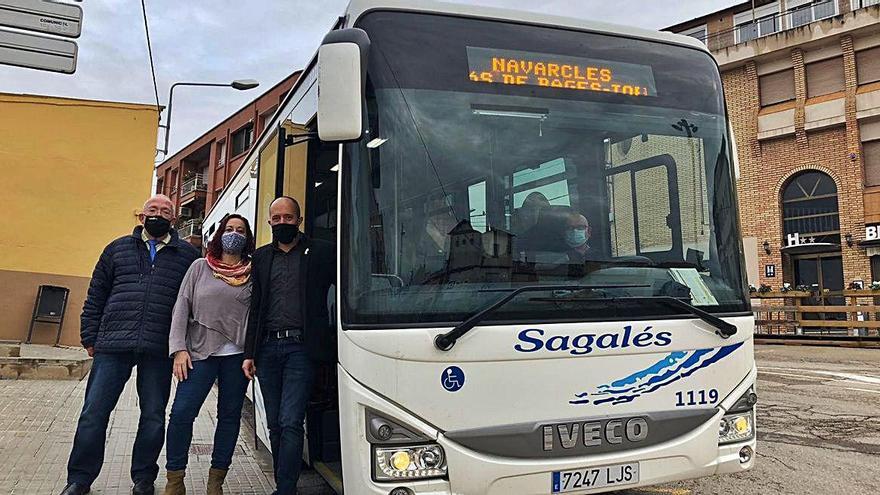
pixel 821 272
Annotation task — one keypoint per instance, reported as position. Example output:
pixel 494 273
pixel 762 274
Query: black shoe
pixel 75 489
pixel 143 488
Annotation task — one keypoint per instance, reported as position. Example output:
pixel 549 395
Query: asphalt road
pixel 818 427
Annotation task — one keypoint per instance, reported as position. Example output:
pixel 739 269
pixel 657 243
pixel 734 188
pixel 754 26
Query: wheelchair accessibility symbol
pixel 452 379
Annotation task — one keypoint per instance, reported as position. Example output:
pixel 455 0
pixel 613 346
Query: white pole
pixel 754 24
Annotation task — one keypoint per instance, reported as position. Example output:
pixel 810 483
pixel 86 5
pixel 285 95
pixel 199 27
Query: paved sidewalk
pixel 38 420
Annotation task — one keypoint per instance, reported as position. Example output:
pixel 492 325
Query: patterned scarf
pixel 234 275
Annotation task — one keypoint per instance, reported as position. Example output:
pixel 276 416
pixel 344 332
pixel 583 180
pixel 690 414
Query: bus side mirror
pixel 342 68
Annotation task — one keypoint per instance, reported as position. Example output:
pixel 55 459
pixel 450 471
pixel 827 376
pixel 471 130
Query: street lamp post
pixel 238 84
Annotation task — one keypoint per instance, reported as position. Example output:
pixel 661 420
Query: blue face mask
pixel 576 237
pixel 233 242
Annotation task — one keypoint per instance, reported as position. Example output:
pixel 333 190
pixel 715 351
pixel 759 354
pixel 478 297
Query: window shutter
pixel 777 87
pixel 825 77
pixel 868 65
pixel 871 155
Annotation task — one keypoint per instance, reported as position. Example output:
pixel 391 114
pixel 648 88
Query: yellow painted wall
pixel 74 173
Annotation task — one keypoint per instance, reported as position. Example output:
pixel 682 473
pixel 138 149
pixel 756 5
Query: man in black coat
pixel 289 332
pixel 125 323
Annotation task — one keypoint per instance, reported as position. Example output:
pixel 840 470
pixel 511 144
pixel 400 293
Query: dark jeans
pixel 188 400
pixel 107 379
pixel 285 373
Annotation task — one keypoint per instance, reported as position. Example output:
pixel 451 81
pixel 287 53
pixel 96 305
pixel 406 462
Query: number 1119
pixel 696 398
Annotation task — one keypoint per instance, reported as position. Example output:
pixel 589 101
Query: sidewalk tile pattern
pixel 37 424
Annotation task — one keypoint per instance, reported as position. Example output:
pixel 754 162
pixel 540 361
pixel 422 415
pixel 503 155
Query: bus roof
pixel 357 8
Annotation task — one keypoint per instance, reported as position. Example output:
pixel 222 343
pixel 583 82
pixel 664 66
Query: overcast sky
pixel 222 40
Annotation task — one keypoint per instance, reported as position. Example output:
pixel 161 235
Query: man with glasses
pixel 125 323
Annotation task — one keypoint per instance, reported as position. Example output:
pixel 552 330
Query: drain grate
pixel 208 448
pixel 201 448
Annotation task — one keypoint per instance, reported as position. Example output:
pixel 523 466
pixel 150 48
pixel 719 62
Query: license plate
pixel 597 477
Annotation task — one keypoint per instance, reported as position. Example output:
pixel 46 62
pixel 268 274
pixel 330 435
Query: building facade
pixel 76 174
pixel 802 81
pixel 194 176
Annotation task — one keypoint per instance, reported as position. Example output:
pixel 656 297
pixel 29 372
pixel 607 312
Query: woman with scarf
pixel 207 342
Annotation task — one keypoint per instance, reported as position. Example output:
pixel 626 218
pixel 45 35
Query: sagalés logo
pixel 533 340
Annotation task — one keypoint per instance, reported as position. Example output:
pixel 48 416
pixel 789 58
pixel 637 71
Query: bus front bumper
pixel 694 455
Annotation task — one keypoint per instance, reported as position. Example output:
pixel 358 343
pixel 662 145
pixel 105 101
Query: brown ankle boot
pixel 215 481
pixel 175 485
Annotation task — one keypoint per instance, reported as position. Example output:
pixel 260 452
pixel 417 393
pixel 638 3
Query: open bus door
pixel 294 163
pixel 322 416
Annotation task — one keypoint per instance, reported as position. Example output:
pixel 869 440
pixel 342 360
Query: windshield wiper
pixel 722 328
pixel 445 341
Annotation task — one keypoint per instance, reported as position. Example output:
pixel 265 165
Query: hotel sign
pixel 796 239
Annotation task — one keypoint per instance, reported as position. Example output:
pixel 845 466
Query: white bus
pixel 540 281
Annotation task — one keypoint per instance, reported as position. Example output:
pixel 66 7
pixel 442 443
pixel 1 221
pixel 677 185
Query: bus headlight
pixel 410 462
pixel 736 428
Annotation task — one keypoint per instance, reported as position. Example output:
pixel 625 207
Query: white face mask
pixel 576 237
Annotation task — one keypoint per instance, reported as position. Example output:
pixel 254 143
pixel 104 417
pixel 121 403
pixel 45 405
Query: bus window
pixel 477 206
pixel 622 215
pixel 536 187
pixel 655 234
pixel 548 178
pixel 645 212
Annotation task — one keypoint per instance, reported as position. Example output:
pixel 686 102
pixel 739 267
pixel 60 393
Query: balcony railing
pixel 190 228
pixel 860 4
pixel 776 23
pixel 194 183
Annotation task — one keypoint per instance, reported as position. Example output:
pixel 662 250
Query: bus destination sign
pixel 512 67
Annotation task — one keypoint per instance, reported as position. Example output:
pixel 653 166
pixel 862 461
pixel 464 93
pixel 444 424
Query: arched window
pixel 809 208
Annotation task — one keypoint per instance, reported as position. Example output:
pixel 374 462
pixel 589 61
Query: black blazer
pixel 317 273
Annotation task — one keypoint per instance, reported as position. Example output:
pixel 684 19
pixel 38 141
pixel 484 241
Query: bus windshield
pixel 501 155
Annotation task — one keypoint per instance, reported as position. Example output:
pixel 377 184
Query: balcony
pixel 190 229
pixel 193 188
pixel 766 25
pixel 860 4
pixel 772 31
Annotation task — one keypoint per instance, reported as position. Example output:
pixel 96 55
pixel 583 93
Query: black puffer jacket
pixel 128 308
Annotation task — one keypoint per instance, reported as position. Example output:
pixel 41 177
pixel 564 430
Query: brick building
pixel 195 176
pixel 802 81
